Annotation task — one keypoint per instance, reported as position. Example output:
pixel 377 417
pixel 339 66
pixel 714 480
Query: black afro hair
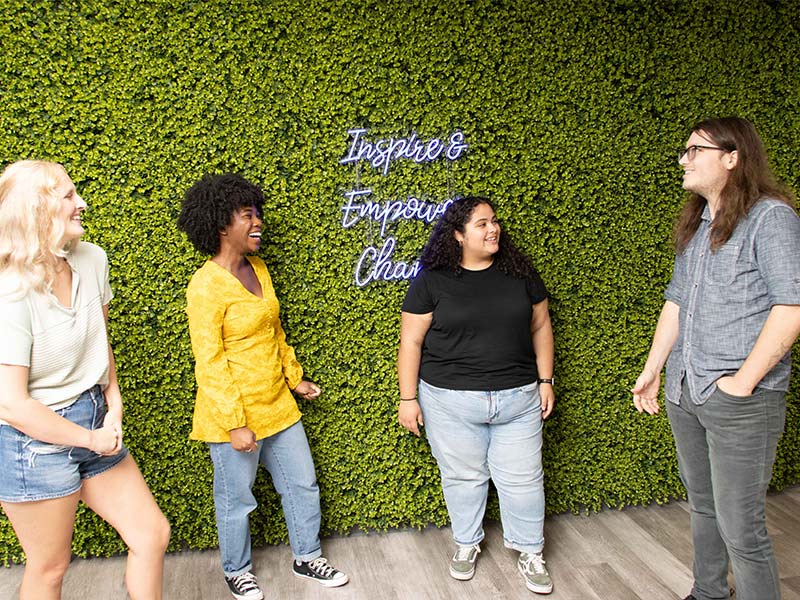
pixel 208 208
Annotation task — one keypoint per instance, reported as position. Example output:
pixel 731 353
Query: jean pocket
pixel 42 448
pixel 728 396
pixel 34 449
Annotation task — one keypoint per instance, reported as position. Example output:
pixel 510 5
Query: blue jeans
pixel 34 470
pixel 478 435
pixel 726 449
pixel 287 457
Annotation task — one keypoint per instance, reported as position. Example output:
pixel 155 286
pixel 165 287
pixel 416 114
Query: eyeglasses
pixel 691 151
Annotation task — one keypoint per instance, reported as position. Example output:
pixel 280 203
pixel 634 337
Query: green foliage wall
pixel 572 110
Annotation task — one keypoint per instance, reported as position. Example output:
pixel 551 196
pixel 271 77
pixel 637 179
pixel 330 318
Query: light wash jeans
pixel 478 435
pixel 287 457
pixel 726 449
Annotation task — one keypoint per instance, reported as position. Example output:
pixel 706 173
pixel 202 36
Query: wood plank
pixel 658 562
pixel 791 584
pixel 669 526
pixel 636 553
pixel 607 583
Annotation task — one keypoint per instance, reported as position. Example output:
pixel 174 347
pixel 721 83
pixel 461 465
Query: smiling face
pixel 243 233
pixel 480 239
pixel 72 207
pixel 707 173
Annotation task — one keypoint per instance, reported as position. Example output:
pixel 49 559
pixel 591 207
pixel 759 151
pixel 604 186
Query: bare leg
pixel 44 530
pixel 121 497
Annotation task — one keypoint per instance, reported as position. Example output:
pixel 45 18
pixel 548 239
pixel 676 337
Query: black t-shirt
pixel 480 336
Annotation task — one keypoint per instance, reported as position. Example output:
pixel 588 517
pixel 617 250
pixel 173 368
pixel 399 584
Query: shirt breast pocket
pixel 722 265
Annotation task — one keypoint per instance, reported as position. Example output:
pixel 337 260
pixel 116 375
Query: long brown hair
pixel 750 181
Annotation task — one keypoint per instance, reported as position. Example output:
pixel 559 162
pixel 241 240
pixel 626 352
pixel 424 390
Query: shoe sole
pixel 325 582
pixel 462 576
pixel 536 589
pixel 251 597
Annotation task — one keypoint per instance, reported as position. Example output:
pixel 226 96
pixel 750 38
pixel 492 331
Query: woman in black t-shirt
pixel 476 339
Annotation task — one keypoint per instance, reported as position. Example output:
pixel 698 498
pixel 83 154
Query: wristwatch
pixel 550 380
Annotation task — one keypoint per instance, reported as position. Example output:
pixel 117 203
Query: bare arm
pixel 413 328
pixel 542 334
pixel 776 338
pixel 112 392
pixel 39 422
pixel 645 390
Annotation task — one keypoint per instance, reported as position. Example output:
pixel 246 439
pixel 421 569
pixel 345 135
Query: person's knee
pixel 162 534
pixel 153 539
pixel 50 572
pixel 701 501
pixel 744 538
pixel 302 482
pixel 159 535
pixel 516 474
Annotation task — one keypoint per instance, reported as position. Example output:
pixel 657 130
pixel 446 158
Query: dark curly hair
pixel 443 251
pixel 208 208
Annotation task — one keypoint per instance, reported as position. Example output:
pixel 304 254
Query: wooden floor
pixel 636 553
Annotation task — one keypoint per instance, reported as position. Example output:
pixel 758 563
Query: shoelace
pixel 464 552
pixel 321 567
pixel 534 564
pixel 245 582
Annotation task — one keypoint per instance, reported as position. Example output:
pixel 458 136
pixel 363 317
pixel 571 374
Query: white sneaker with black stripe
pixel 244 587
pixel 320 571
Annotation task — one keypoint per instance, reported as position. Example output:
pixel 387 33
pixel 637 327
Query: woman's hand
pixel 113 419
pixel 731 386
pixel 243 439
pixel 105 441
pixel 307 390
pixel 548 397
pixel 645 392
pixel 409 415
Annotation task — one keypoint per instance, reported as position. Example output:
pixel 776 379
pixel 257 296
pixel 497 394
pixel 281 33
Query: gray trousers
pixel 726 449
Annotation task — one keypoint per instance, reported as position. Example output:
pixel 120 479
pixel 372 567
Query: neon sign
pixel 382 153
pixel 376 263
pixel 389 211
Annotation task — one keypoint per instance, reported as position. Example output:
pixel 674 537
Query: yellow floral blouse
pixel 244 368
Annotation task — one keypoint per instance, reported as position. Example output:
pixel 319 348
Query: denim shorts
pixel 34 470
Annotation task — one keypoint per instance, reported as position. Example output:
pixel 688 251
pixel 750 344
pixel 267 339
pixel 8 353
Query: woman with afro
pixel 477 342
pixel 246 373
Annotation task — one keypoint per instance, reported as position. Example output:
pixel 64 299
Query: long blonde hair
pixel 30 231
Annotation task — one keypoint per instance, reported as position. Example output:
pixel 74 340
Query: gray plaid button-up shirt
pixel 726 296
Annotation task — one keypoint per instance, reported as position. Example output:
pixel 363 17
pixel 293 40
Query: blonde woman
pixel 61 408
